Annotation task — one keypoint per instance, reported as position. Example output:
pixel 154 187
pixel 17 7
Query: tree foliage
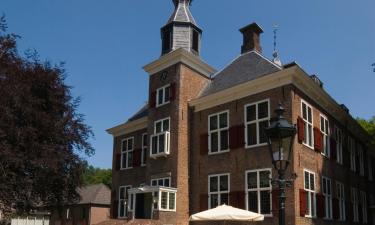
pixel 41 135
pixel 94 175
pixel 369 126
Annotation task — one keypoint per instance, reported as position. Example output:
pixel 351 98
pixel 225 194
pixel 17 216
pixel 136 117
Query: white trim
pixel 127 152
pixel 338 134
pixel 256 121
pixel 311 193
pixel 308 123
pixel 144 149
pixel 327 198
pixel 128 127
pixel 326 136
pixel 126 196
pixel 218 192
pixel 218 131
pixel 162 120
pixel 163 180
pixel 340 195
pixel 164 101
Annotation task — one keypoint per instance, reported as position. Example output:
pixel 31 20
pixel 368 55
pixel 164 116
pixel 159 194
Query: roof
pixel 246 67
pixel 95 194
pixel 143 112
pixel 182 13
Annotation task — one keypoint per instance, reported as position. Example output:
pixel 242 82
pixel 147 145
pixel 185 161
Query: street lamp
pixel 280 138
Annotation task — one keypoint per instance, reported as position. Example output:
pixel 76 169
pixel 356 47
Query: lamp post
pixel 280 137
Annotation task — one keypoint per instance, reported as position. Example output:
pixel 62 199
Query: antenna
pixel 275 54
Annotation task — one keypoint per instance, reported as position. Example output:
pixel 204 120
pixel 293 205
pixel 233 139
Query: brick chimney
pixel 251 38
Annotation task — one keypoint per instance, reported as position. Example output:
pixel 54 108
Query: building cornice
pixel 179 56
pixel 128 127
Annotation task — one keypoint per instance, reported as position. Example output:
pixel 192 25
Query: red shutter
pixel 237 199
pixel 204 144
pixel 137 157
pixel 320 206
pixel 115 209
pixel 241 136
pixel 301 129
pixel 173 93
pixel 302 202
pixel 233 137
pixel 118 161
pixel 203 202
pixel 275 201
pixel 333 147
pixel 335 209
pixel 233 201
pixel 152 99
pixel 318 140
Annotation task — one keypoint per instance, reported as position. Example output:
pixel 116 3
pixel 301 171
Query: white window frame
pixel 162 179
pixel 163 91
pixel 354 199
pixel 327 182
pixel 360 153
pixel 144 149
pixel 166 134
pixel 127 152
pixel 363 202
pixel 258 189
pixel 325 131
pixel 168 208
pixel 311 195
pixel 125 201
pixel 257 121
pixel 352 152
pixel 340 194
pixel 218 192
pixel 309 125
pixel 218 131
pixel 339 145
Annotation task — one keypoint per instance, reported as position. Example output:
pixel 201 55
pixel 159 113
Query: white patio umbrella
pixel 226 213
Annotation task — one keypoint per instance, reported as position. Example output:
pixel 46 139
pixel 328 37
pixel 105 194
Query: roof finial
pixel 275 54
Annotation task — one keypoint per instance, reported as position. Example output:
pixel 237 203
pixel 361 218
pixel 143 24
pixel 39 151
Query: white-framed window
pixel 218 132
pixel 163 95
pixel 307 116
pixel 127 147
pixel 354 199
pixel 309 186
pixel 340 194
pixel 168 201
pixel 361 160
pixel 324 128
pixel 123 197
pixel 160 140
pixel 218 190
pixel 258 191
pixel 257 117
pixel 162 182
pixel 352 152
pixel 339 144
pixel 327 193
pixel 144 149
pixel 363 202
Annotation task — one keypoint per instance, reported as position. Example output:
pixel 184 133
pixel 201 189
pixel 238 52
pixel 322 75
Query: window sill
pixel 255 146
pixel 218 153
pixel 129 168
pixel 163 154
pixel 310 147
pixel 165 103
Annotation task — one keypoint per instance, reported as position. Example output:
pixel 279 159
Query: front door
pixel 143 206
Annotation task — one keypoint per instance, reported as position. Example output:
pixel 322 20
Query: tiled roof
pixel 143 112
pixel 95 194
pixel 246 67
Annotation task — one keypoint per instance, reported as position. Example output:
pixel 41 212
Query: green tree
pixel 41 134
pixel 94 175
pixel 369 126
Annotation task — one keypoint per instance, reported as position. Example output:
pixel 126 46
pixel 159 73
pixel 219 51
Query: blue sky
pixel 106 43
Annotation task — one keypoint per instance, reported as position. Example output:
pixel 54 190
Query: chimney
pixel 251 38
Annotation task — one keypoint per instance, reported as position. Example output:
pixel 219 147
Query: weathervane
pixel 275 54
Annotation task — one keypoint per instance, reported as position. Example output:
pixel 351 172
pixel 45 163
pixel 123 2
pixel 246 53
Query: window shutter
pixel 152 99
pixel 233 201
pixel 318 140
pixel 173 93
pixel 237 199
pixel 236 137
pixel 302 202
pixel 137 157
pixel 204 144
pixel 320 206
pixel 275 201
pixel 203 202
pixel 301 129
pixel 335 209
pixel 241 135
pixel 333 148
pixel 115 210
pixel 118 161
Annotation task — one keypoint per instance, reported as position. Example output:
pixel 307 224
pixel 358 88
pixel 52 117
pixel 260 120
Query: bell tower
pixel 181 30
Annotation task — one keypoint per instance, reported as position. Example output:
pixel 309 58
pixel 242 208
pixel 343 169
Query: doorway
pixel 143 206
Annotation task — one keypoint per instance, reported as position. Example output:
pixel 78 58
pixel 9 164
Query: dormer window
pixel 195 41
pixel 163 95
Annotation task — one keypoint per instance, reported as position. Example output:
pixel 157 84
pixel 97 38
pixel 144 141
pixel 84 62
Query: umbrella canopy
pixel 226 213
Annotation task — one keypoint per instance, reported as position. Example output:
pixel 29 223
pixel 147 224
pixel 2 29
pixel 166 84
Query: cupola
pixel 181 30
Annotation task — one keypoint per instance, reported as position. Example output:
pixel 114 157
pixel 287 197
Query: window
pixel 218 130
pixel 339 144
pixel 354 198
pixel 363 202
pixel 144 150
pixel 122 201
pixel 341 198
pixel 352 151
pixel 167 40
pixel 127 147
pixel 361 160
pixel 218 190
pixel 257 118
pixel 307 116
pixel 167 201
pixel 162 182
pixel 324 128
pixel 327 193
pixel 161 138
pixel 309 186
pixel 163 95
pixel 259 191
pixel 195 40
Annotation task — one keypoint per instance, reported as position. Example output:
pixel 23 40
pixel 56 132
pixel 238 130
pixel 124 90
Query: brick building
pixel 199 141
